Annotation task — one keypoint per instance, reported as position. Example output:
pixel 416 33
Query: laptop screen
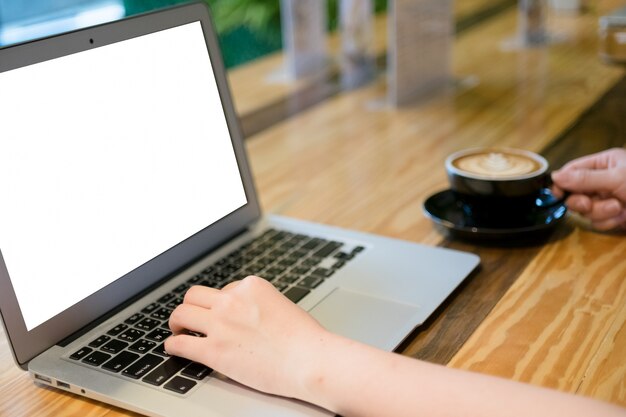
pixel 108 158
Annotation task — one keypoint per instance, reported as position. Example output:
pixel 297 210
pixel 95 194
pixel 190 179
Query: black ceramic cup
pixel 500 184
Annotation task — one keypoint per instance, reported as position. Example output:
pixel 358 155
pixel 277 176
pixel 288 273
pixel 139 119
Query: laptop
pixel 124 181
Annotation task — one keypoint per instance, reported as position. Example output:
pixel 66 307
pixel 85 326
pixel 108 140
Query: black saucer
pixel 446 211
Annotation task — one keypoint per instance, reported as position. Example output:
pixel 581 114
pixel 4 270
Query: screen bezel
pixel 28 344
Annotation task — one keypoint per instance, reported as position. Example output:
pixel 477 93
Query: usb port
pixel 43 379
pixel 63 384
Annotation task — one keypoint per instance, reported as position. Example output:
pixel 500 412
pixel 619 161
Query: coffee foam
pixel 497 164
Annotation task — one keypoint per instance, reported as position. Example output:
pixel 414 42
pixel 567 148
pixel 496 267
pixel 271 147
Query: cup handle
pixel 551 200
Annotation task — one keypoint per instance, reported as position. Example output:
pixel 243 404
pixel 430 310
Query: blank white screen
pixel 108 158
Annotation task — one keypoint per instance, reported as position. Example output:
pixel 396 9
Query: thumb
pixel 584 180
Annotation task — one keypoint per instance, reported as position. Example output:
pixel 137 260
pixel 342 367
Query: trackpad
pixel 368 319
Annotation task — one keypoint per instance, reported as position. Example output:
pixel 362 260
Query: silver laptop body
pixel 124 179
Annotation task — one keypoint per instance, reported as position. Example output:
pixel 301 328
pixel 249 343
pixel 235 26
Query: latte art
pixel 497 164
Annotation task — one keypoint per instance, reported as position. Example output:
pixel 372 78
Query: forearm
pixel 355 380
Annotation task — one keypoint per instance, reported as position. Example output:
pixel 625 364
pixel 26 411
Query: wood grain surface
pixel 575 286
pixel 605 377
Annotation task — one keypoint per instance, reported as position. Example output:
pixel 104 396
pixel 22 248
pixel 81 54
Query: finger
pixel 190 347
pixel 579 203
pixel 189 317
pixel 594 161
pixel 618 221
pixel 249 280
pixel 604 209
pixel 605 225
pixel 585 180
pixel 201 296
pixel 557 192
pixel 231 285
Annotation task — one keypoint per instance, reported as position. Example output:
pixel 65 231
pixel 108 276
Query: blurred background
pixel 248 29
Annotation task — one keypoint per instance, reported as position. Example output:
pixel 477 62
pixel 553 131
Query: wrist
pixel 324 365
pixel 339 372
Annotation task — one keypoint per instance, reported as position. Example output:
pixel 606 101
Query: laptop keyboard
pixel 294 263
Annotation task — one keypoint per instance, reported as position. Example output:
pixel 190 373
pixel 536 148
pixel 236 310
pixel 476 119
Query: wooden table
pixel 552 313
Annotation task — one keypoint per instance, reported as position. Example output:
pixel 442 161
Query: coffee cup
pixel 493 182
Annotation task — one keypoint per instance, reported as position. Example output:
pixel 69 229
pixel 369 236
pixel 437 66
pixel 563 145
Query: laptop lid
pixel 121 161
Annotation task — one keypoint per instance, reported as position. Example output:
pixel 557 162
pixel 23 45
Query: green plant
pixel 257 15
pixel 263 16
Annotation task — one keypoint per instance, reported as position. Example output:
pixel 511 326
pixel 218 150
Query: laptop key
pixel 339 264
pixel 117 329
pixel 299 237
pixel 301 270
pixel 327 249
pixel 263 262
pixel 166 370
pixel 207 283
pixel 323 272
pixel 173 304
pixel 288 245
pixel 166 298
pixel 299 253
pixel 142 346
pixel 181 288
pixel 97 358
pixel 196 370
pixel 313 243
pixel 288 261
pixel 242 274
pixel 134 318
pixel 277 253
pixel 267 233
pixel 276 270
pixel 147 324
pixel 150 308
pixel 279 236
pixel 100 341
pixel 312 261
pixel 158 335
pixel 161 314
pixel 268 276
pixel 131 335
pixel 142 366
pixel 296 294
pixel 81 353
pixel 194 280
pixel 114 346
pixel 289 278
pixel 180 385
pixel 311 282
pixel 160 350
pixel 120 361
